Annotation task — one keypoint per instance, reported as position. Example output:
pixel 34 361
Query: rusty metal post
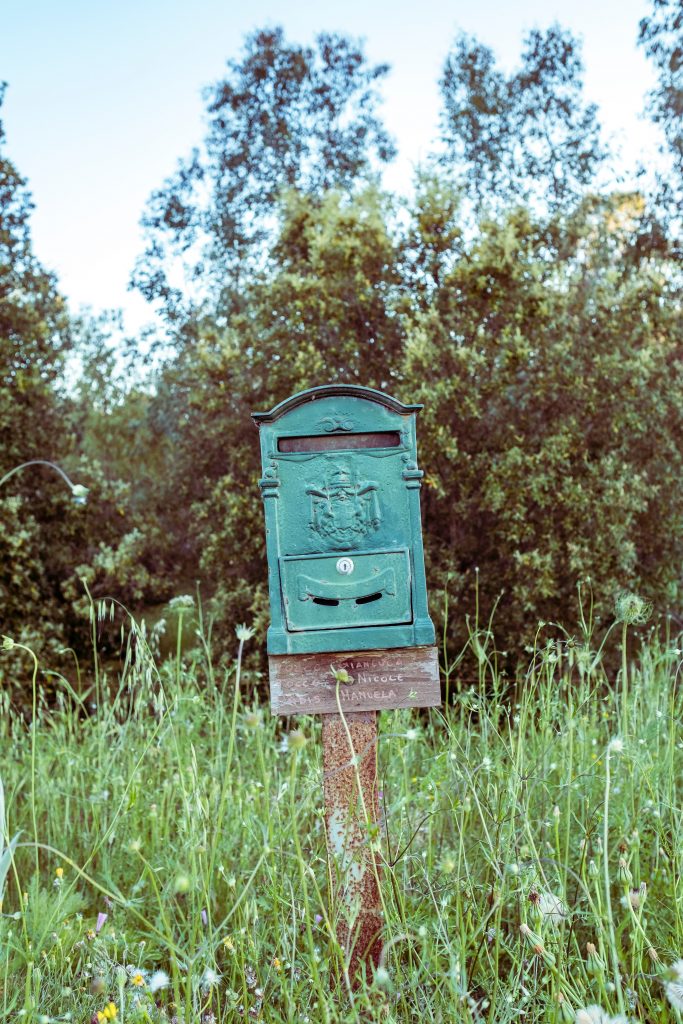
pixel 352 826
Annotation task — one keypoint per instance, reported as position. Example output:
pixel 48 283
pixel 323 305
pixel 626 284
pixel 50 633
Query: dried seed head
pixel 631 609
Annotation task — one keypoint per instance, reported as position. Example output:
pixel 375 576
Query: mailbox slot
pixel 378 592
pixel 340 443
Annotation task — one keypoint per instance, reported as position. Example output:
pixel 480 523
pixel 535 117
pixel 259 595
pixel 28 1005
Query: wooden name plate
pixel 305 684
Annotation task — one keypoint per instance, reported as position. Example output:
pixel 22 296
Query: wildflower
pixel 596 1015
pixel 229 944
pixel 276 963
pixel 158 980
pixel 109 1013
pixel 534 940
pixel 101 918
pixel 448 865
pixel 412 734
pixel 631 609
pixel 137 980
pixel 566 1013
pixel 296 740
pixel 673 985
pixel 623 872
pixel 592 1015
pixel 341 675
pixel 181 603
pixel 674 993
pixel 551 908
pixel 244 633
pixel 90 934
pixel 594 963
pixel 615 746
pixel 382 977
pixel 7 643
pixel 59 872
pixel 210 978
pixel 79 493
pixel 636 897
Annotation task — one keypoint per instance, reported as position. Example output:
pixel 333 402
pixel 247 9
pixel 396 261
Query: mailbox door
pixel 339 590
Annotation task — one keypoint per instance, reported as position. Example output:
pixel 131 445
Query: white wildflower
pixel 673 988
pixel 551 908
pixel 79 493
pixel 158 980
pixel 631 609
pixel 592 1015
pixel 616 745
pixel 677 971
pixel 674 993
pixel 210 978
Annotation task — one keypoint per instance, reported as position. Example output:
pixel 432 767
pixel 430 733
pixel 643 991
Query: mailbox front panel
pixel 338 592
pixel 341 490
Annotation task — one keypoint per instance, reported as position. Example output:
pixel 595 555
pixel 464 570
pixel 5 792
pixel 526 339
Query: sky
pixel 103 99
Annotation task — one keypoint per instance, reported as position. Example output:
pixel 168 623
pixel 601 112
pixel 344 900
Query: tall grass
pixel 532 847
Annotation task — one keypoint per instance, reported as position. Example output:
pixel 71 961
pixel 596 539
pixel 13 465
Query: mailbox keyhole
pixel 326 601
pixel 368 599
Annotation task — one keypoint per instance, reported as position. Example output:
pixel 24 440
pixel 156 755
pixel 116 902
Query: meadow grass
pixel 165 853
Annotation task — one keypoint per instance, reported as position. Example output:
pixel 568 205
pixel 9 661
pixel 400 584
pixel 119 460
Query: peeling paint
pixel 351 820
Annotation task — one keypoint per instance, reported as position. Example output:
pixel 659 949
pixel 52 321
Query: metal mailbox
pixel 341 490
pixel 350 632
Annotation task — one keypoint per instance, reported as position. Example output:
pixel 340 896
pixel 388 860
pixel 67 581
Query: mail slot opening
pixel 340 442
pixel 328 602
pixel 368 599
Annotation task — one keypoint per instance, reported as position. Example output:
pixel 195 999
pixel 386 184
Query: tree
pixel 34 330
pixel 661 35
pixel 551 369
pixel 285 116
pixel 48 543
pixel 34 341
pixel 324 312
pixel 526 138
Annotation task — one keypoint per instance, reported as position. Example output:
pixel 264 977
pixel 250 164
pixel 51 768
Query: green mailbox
pixel 341 490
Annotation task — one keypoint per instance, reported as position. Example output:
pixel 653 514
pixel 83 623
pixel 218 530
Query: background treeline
pixel 527 299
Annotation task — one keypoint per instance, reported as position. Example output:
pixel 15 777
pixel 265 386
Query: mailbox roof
pixel 328 390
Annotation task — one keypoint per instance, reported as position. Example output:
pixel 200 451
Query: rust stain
pixel 352 827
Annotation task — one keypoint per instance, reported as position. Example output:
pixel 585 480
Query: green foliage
pixel 539 322
pixel 661 36
pixel 34 330
pixel 551 372
pixel 180 830
pixel 324 313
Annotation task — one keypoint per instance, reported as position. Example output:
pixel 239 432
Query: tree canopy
pixel 534 311
pixel 285 116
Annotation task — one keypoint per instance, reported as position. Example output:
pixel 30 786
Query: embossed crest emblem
pixel 343 509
